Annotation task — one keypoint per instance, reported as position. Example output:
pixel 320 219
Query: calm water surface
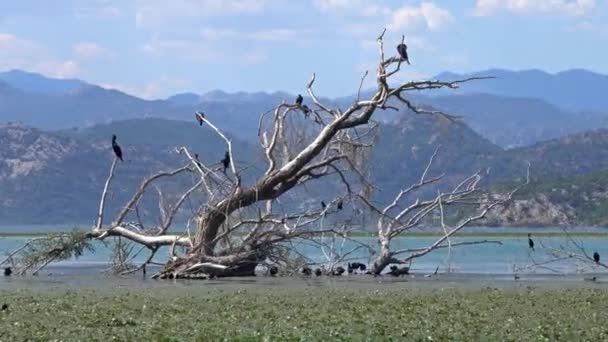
pixel 463 266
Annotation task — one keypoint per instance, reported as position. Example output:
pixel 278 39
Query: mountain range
pixel 500 109
pixel 55 156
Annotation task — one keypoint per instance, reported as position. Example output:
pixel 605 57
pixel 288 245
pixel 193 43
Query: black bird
pixel 4 307
pixel 358 266
pixel 197 161
pixel 323 205
pixel 116 148
pixel 340 205
pixel 143 270
pixel 349 268
pixel 273 270
pixel 318 272
pixel 200 117
pixel 8 271
pixel 306 270
pixel 402 49
pixel 596 257
pixel 299 100
pixel 338 271
pixel 396 271
pixel 306 110
pixel 226 161
pixel 530 241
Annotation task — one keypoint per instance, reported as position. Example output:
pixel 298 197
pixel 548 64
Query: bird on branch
pixel 402 49
pixel 530 241
pixel 200 117
pixel 116 148
pixel 596 257
pixel 226 161
pixel 299 100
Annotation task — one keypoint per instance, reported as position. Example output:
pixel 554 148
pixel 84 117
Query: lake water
pixel 511 255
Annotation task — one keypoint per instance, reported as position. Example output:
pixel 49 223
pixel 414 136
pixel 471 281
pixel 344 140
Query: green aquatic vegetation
pixel 202 313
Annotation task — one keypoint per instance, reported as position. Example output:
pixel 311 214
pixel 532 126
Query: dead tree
pixel 408 211
pixel 239 225
pixel 565 255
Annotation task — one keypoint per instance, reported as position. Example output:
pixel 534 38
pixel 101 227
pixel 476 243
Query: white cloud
pixel 21 53
pixel 429 14
pixel 558 7
pixel 153 89
pixel 335 5
pixel 90 50
pixel 194 51
pixel 158 12
pixel 99 8
pixel 61 69
pixel 266 35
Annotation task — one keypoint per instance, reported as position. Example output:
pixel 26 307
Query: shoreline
pixel 503 232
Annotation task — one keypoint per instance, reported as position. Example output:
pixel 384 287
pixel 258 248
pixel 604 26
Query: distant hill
pixel 62 172
pixel 58 177
pixel 36 83
pixel 515 109
pixel 573 90
pixel 514 121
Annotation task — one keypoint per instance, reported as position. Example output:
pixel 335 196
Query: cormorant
pixel 396 271
pixel 197 161
pixel 306 110
pixel 306 270
pixel 116 148
pixel 358 266
pixel 596 257
pixel 339 271
pixel 200 117
pixel 530 241
pixel 402 49
pixel 318 272
pixel 226 161
pixel 8 271
pixel 273 270
pixel 323 205
pixel 299 100
pixel 349 268
pixel 340 205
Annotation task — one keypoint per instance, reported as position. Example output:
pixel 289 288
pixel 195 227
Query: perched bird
pixel 402 49
pixel 340 205
pixel 530 241
pixel 273 270
pixel 226 161
pixel 306 110
pixel 197 161
pixel 338 271
pixel 358 266
pixel 299 100
pixel 596 257
pixel 116 148
pixel 306 271
pixel 8 271
pixel 349 268
pixel 318 272
pixel 323 205
pixel 4 307
pixel 200 117
pixel 396 271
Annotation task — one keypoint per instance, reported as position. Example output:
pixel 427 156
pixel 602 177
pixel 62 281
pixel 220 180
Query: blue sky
pixel 154 48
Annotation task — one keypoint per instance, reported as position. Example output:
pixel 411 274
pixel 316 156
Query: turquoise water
pixel 511 256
